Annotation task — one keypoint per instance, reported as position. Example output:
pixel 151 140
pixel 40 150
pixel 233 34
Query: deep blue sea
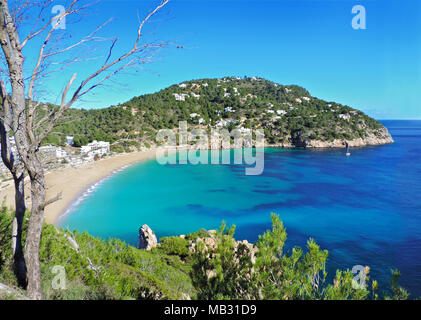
pixel 365 209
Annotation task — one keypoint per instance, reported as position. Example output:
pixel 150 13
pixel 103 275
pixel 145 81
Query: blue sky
pixel 310 43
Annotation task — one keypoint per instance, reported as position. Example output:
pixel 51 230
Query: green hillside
pixel 289 115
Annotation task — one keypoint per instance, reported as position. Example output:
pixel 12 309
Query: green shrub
pixel 175 246
pixel 112 269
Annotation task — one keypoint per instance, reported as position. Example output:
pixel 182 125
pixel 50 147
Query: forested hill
pixel 289 114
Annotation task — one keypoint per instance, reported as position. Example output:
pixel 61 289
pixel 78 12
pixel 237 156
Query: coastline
pixel 74 181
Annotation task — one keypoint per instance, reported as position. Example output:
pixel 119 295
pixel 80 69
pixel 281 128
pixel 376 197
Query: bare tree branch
pixel 52 200
pixel 21 118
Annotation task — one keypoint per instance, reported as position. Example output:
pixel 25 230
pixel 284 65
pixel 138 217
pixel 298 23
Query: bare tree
pixel 14 164
pixel 21 110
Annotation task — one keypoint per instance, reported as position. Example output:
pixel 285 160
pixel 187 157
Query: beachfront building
pixel 99 148
pixel 60 153
pixel 47 152
pixel 75 161
pixel 70 140
pixel 4 172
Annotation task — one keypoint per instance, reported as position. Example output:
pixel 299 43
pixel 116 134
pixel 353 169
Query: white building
pixel 180 96
pixel 244 130
pixel 60 153
pixel 281 112
pixel 223 123
pixel 47 152
pixel 96 148
pixel 70 140
pixel 345 116
pixel 74 161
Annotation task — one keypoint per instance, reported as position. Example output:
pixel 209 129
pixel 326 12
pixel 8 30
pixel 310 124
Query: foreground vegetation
pixel 202 265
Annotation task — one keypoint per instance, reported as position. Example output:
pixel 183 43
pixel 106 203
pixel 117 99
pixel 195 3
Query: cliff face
pixel 373 137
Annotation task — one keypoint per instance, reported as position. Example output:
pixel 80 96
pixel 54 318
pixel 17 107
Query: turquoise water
pixel 365 209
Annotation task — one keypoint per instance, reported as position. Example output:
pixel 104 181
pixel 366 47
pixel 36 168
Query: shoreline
pixel 84 192
pixel 98 172
pixel 73 182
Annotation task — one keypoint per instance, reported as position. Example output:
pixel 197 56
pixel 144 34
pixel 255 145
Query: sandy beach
pixel 72 181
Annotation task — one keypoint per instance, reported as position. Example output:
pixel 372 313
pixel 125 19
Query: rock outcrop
pixel 211 242
pixel 380 136
pixel 147 238
pixel 373 138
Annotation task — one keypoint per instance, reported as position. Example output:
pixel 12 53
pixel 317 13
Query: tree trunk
pixel 15 166
pixel 36 220
pixel 17 249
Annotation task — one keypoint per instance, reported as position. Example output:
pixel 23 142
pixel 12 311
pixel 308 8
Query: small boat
pixel 348 154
